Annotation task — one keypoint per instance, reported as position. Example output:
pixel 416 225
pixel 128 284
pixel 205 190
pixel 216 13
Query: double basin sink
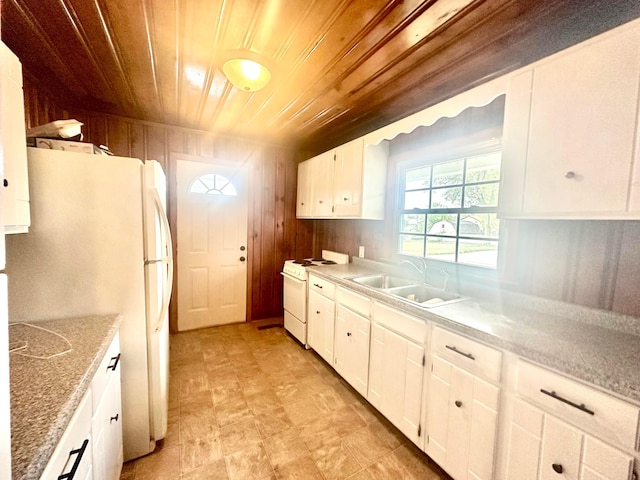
pixel 419 293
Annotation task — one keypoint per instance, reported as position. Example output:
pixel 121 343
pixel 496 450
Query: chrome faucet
pixel 422 271
pixel 445 282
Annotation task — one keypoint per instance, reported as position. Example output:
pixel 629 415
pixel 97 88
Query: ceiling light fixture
pixel 247 70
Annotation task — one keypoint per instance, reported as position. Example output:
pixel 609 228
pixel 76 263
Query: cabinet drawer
pixel 354 301
pixel 469 354
pixel 323 287
pixel 74 447
pixel 410 327
pixel 110 364
pixel 596 412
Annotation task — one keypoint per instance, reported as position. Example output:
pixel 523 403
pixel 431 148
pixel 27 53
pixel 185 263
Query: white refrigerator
pixel 99 243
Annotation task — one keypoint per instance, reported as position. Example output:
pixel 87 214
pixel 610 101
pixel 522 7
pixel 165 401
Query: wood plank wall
pixel 274 232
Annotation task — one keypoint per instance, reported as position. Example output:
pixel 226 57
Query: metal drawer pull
pixel 580 406
pixel 114 418
pixel 557 468
pixel 468 355
pixel 80 452
pixel 114 365
pixel 316 285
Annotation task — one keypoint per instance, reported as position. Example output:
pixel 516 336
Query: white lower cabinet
pixel 352 348
pixel 396 370
pixel 91 446
pixel 462 407
pixel 321 317
pixel 542 447
pixel 106 424
pixel 71 458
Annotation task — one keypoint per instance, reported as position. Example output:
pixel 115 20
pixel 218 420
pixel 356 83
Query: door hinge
pixel 419 429
pixel 424 359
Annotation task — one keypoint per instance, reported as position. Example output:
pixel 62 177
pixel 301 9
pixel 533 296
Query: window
pixel 448 210
pixel 213 184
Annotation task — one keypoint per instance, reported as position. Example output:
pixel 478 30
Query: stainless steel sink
pixel 425 295
pixel 383 281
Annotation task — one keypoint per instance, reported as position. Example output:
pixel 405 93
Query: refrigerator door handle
pixel 168 259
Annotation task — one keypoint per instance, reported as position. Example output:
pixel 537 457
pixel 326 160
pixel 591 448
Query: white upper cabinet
pixel 570 126
pixel 346 182
pixel 13 144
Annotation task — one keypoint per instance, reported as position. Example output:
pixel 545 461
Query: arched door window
pixel 213 184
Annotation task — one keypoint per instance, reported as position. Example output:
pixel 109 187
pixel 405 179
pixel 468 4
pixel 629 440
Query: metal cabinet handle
pixel 316 285
pixel 318 312
pixel 114 418
pixel 320 201
pixel 5 182
pixel 457 403
pixel 569 174
pixel 242 259
pixel 79 452
pixel 243 248
pixel 348 334
pixel 454 349
pixel 580 406
pixel 557 467
pixel 114 364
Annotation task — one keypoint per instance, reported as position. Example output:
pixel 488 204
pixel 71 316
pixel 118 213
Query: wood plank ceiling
pixel 341 67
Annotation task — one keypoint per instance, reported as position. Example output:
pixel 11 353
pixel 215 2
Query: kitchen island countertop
pixel 45 392
pixel 596 346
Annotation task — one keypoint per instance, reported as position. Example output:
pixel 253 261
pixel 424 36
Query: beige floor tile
pixel 318 433
pixel 301 412
pixel 249 463
pixel 293 392
pixel 389 467
pixel 198 424
pixel 335 461
pixel 163 464
pixel 192 384
pixel 195 452
pixel 272 422
pixel 365 446
pixel 345 420
pixel 301 469
pixel 417 463
pixel 328 400
pixel 362 475
pixel 223 392
pixel 262 402
pixel 214 471
pixel 232 411
pixel 172 436
pixel 196 402
pixel 285 447
pixel 238 436
pixel 128 471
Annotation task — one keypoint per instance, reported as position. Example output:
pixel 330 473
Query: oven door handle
pixel 286 275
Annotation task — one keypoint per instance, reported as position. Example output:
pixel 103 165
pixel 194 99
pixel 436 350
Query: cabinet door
pixel 582 124
pixel 322 172
pixel 462 419
pixel 14 152
pixel 396 373
pixel 352 348
pixel 347 179
pixel 543 447
pixel 321 326
pixel 305 190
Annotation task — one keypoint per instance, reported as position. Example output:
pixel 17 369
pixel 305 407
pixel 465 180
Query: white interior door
pixel 212 239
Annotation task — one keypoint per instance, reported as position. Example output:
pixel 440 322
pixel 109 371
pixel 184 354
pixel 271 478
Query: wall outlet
pixel 361 251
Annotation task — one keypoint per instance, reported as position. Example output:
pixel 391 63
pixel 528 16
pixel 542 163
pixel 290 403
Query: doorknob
pixel 242 259
pixel 243 248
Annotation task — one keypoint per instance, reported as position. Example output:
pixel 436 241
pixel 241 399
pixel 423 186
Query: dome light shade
pixel 246 71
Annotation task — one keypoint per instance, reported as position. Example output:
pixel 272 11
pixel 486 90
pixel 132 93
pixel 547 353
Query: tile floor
pixel 247 403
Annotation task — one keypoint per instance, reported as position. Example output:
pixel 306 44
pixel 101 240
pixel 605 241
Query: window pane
pixel 411 245
pixel 418 199
pixel 447 197
pixel 449 173
pixel 417 178
pixel 478 252
pixel 441 248
pixel 484 168
pixel 412 223
pixel 442 224
pixel 481 195
pixel 480 225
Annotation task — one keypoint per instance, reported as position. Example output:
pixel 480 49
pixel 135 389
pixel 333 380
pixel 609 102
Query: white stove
pixel 295 290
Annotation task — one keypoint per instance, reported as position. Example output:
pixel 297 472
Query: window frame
pixel 461 153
